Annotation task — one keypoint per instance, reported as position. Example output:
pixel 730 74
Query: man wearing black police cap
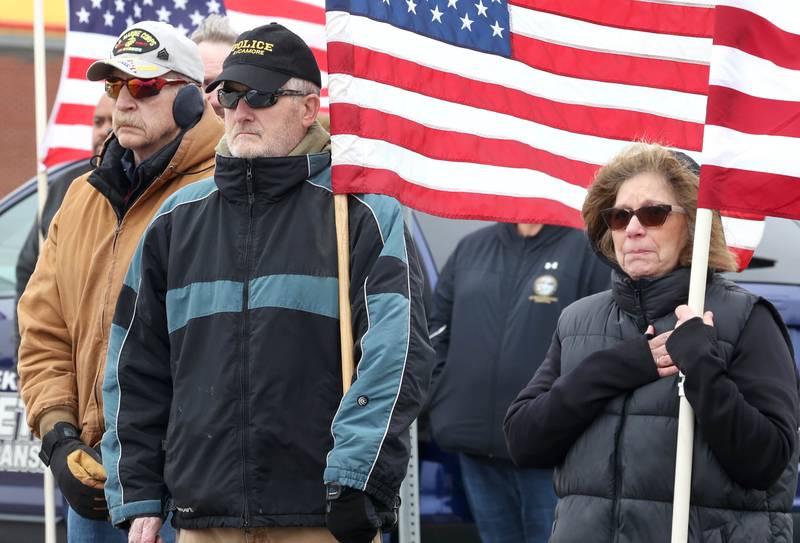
pixel 223 383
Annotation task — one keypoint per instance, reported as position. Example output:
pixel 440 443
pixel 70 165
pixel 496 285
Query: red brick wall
pixel 17 121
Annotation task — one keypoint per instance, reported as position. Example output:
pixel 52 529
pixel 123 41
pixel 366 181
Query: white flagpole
pixel 683 456
pixel 40 79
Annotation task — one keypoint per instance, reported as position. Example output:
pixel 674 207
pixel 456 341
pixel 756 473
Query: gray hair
pixel 306 87
pixel 214 28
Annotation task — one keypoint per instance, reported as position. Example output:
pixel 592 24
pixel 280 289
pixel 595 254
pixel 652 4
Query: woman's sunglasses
pixel 139 88
pixel 255 99
pixel 618 218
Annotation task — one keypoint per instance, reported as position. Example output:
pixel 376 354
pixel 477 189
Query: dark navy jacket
pixel 495 309
pixel 223 388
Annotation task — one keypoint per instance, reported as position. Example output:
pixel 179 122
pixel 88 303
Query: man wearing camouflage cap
pixel 164 138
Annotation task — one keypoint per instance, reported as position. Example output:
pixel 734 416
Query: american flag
pixel 94 25
pixel 504 110
pixel 752 132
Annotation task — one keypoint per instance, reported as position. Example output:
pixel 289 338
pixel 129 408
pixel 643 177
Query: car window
pixel 15 224
pixel 777 258
pixel 442 235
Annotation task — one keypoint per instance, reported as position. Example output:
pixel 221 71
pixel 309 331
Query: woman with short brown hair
pixel 603 406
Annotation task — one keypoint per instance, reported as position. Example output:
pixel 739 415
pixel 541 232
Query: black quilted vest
pixel 616 482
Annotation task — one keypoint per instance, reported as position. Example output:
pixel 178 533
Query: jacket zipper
pixel 245 339
pixel 97 381
pixel 637 298
pixel 496 366
pixel 117 230
pixel 618 470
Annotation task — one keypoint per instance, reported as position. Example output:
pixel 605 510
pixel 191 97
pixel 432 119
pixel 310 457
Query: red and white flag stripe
pixel 69 133
pixel 463 134
pixel 753 125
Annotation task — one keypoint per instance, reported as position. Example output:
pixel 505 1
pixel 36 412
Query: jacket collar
pixel 268 179
pixel 111 180
pixel 651 299
pixel 187 153
pixel 547 235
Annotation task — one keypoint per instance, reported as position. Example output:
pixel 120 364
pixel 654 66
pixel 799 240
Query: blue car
pixel 445 515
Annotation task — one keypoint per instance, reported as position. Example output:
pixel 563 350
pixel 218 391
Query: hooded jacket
pixel 223 386
pixel 598 411
pixel 65 313
pixel 495 309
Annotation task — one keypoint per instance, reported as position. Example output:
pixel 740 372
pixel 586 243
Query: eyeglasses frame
pixel 252 93
pixel 604 214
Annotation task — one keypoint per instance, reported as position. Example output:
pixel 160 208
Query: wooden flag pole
pixel 345 319
pixel 681 501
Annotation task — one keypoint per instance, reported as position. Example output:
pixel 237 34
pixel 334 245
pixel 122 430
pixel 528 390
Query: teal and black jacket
pixel 223 389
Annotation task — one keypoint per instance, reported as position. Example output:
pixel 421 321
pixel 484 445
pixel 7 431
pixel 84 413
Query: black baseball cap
pixel 267 57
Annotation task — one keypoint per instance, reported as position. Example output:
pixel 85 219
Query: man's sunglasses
pixel 229 99
pixel 139 88
pixel 618 218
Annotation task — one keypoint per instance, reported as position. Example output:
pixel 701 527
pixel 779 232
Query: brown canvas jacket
pixel 66 311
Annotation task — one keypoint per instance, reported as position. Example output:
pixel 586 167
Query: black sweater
pixel 751 401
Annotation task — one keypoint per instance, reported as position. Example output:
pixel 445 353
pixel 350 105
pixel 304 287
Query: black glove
pixel 352 516
pixel 77 469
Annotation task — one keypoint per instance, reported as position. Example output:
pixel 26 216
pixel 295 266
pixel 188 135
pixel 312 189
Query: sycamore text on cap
pixel 253 47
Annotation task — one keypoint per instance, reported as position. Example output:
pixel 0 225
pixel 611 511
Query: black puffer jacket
pixel 598 411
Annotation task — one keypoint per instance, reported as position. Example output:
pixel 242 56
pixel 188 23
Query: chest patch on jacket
pixel 544 289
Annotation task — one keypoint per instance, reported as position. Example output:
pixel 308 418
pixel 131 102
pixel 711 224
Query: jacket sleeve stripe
pixel 312 294
pixel 388 215
pixel 146 508
pixel 402 310
pixel 202 300
pixel 321 180
pixel 360 428
pixel 318 295
pixel 110 445
pixel 375 217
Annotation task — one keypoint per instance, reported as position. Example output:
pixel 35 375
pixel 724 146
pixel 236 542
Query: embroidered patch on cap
pixel 136 41
pixel 252 47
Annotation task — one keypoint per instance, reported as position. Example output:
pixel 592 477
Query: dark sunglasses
pixel 618 218
pixel 255 99
pixel 139 88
